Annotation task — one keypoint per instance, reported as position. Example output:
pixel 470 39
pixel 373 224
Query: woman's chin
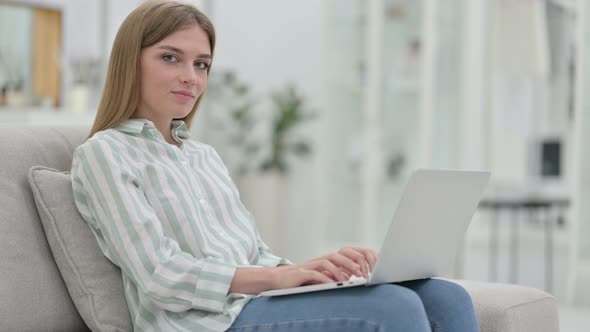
pixel 181 113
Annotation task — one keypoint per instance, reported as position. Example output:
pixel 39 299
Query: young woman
pixel 164 209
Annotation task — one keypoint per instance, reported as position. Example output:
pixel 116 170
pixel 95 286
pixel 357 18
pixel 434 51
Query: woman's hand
pixel 338 266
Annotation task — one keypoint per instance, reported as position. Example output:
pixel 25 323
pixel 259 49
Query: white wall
pixel 116 11
pixel 269 43
pixel 82 30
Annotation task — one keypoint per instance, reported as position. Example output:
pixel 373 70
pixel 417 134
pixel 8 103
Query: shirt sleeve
pixel 110 198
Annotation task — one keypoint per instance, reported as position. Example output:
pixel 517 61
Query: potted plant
pixel 288 113
pixel 264 191
pixel 257 147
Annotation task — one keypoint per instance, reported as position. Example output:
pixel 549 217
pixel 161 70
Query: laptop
pixel 426 232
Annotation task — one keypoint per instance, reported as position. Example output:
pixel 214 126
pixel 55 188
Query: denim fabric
pixel 416 306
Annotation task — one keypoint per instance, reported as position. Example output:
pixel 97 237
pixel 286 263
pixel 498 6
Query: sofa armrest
pixel 512 308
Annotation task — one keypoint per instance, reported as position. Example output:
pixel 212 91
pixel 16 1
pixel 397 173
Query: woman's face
pixel 173 74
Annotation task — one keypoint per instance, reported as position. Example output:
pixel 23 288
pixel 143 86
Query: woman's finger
pixel 358 258
pixel 325 264
pixel 370 256
pixel 353 265
pixel 314 277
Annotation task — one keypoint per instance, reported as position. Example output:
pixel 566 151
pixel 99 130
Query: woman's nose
pixel 189 76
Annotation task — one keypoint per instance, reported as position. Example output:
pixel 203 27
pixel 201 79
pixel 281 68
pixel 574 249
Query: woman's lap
pixel 387 307
pixel 448 305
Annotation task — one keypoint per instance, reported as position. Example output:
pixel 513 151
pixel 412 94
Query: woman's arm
pixel 111 198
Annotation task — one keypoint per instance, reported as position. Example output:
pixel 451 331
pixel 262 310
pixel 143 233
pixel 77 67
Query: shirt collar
pixel 133 126
pixel 178 128
pixel 179 131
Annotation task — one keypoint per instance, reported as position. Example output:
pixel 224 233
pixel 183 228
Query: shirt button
pixel 185 163
pixel 202 201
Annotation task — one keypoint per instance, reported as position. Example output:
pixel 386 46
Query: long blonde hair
pixel 145 26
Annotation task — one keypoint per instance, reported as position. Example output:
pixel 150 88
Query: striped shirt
pixel 171 218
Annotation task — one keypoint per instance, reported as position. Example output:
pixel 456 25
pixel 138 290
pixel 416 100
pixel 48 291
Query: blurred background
pixel 323 109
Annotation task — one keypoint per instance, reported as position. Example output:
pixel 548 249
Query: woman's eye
pixel 170 58
pixel 201 65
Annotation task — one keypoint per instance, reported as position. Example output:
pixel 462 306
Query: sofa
pixel 38 294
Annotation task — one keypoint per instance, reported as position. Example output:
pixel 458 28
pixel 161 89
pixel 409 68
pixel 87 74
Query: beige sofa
pixel 35 297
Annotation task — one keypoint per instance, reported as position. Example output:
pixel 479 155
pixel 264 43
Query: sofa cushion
pixel 93 282
pixel 512 308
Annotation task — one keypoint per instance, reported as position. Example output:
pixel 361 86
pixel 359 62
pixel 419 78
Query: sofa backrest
pixel 33 296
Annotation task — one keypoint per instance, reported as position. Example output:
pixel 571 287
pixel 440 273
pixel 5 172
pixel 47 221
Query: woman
pixel 165 210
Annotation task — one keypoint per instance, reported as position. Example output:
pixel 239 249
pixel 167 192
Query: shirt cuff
pixel 213 286
pixel 269 260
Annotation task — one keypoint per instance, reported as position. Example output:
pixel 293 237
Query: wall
pixel 116 11
pixel 269 43
pixel 82 30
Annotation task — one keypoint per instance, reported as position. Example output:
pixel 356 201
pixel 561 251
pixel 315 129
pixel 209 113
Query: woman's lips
pixel 183 95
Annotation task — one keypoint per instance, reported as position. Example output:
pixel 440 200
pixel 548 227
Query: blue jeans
pixel 413 306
